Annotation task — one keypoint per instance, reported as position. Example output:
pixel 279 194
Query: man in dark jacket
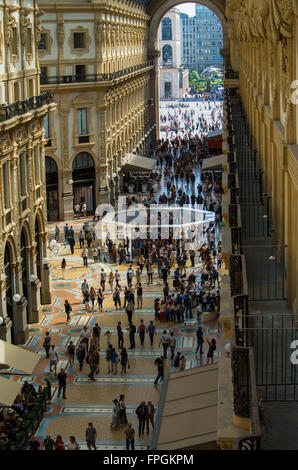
pixel 62 376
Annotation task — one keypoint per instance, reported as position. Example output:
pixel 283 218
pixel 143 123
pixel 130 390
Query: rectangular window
pixel 79 40
pixel 42 45
pixel 22 174
pixel 36 164
pixel 6 185
pixel 82 121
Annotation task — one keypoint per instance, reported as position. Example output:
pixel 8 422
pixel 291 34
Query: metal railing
pixel 22 107
pixel 102 77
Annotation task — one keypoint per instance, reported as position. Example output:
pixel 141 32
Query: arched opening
pixel 83 175
pixel 52 189
pixel 167 55
pixel 9 286
pixel 168 86
pixel 25 268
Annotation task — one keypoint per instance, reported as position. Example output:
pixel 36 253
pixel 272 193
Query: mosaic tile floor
pixel 93 401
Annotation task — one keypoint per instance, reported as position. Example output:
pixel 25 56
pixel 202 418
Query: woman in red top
pixel 59 444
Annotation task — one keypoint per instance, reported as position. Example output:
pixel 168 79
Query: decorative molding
pixel 26 34
pixel 11 34
pixel 48 43
pixel 87 41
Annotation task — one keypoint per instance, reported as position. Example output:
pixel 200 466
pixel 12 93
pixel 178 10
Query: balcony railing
pixel 22 107
pixel 102 77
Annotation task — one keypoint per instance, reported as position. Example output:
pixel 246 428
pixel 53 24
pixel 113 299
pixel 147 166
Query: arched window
pixel 51 166
pixel 166 29
pixel 167 55
pixel 83 160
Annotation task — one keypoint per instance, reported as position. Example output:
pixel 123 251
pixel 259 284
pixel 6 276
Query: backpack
pixel 142 327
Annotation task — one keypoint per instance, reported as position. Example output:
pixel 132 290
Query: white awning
pixel 214 163
pixel 138 163
pixel 189 414
pixel 9 390
pixel 18 358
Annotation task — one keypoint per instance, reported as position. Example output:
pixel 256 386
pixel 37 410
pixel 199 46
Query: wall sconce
pixel 1 321
pixel 16 298
pixel 70 181
pixel 32 278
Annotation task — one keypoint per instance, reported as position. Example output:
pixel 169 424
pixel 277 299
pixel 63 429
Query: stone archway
pixel 157 11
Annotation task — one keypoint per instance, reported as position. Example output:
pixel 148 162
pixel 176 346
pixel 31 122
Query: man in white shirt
pixel 165 342
pixel 85 335
pixel 53 357
pixel 84 287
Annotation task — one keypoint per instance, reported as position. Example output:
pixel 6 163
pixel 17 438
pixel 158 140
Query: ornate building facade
pixel 25 275
pixel 264 49
pixel 94 57
pixel 173 78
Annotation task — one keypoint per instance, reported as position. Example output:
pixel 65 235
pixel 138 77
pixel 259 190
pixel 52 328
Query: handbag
pixel 128 366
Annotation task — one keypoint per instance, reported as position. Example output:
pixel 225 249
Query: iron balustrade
pixel 22 107
pixel 102 77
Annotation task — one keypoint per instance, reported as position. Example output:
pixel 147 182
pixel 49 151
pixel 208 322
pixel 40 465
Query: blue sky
pixel 188 8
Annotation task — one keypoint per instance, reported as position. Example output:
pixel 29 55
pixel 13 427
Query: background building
pixel 24 280
pixel 201 40
pixel 173 77
pixel 93 55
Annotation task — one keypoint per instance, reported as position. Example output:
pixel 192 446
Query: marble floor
pixel 92 401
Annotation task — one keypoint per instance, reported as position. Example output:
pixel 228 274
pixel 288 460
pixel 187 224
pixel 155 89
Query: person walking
pixel 100 300
pixel 130 310
pixel 151 331
pixel 103 277
pixel 63 267
pixel 84 287
pixel 116 297
pixel 159 362
pixel 85 257
pixel 86 301
pixel 53 356
pixel 115 416
pixel 212 348
pixel 47 344
pixel 109 352
pixel 122 411
pixel 59 444
pixel 82 239
pixel 91 435
pixel 165 342
pixel 96 334
pixel 111 280
pixel 150 416
pixel 141 331
pixel 62 377
pixel 200 341
pixel 142 413
pixel 132 331
pixel 130 437
pixel 57 233
pixel 85 335
pixel 92 296
pixel 120 335
pixel 81 353
pixel 172 344
pixel 68 309
pixel 124 360
pixel 114 361
pixel 117 278
pixel 71 353
pixel 140 296
pixel 93 361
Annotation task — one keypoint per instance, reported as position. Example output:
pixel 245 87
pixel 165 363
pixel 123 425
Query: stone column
pixel 21 330
pixel 103 180
pixel 35 306
pixel 46 288
pixel 5 328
